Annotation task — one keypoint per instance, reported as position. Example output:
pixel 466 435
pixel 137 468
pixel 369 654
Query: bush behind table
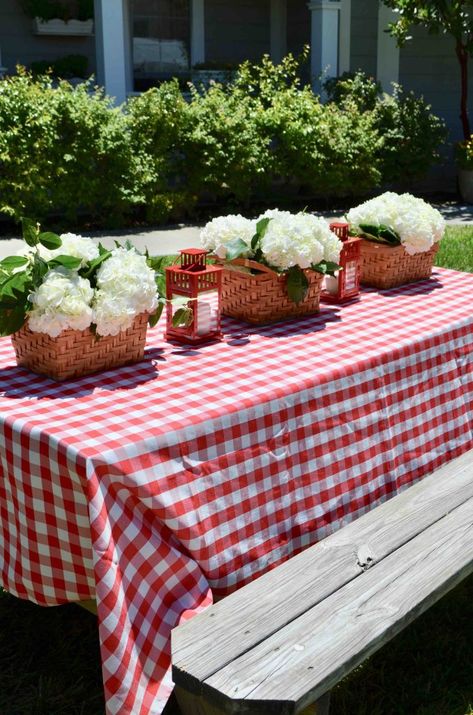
pixel 67 151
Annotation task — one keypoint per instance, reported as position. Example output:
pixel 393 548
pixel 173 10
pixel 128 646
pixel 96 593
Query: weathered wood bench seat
pixel 278 645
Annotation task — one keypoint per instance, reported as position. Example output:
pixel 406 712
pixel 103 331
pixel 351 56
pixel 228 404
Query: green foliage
pixel 408 134
pixel 464 154
pixel 63 67
pixel 449 17
pixel 63 149
pixel 438 16
pixel 69 151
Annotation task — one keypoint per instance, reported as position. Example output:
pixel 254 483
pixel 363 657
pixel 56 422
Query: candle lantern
pixel 345 285
pixel 201 285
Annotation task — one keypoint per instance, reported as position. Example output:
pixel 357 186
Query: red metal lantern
pixel 345 285
pixel 201 284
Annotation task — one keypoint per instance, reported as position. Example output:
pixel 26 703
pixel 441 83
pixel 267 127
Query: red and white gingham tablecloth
pixel 151 486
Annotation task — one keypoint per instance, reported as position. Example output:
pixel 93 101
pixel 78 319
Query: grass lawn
pixel 50 660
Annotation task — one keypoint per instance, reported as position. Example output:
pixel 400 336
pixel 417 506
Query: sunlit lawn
pixel 50 660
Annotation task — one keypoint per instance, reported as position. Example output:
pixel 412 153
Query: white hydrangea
pixel 62 301
pixel 417 224
pixel 219 232
pixel 298 240
pixel 125 287
pixel 72 245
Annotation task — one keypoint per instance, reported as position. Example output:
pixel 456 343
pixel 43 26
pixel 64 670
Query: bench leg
pixel 321 707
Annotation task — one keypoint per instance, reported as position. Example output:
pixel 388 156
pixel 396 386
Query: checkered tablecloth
pixel 153 486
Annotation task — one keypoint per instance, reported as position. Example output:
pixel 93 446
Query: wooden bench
pixel 278 645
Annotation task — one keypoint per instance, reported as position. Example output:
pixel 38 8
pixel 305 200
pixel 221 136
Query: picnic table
pixel 156 487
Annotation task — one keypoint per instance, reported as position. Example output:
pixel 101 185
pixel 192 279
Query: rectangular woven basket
pixel 75 353
pixel 258 294
pixel 385 266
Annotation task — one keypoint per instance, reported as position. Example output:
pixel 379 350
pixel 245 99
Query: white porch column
pixel 197 32
pixel 387 66
pixel 324 40
pixel 113 47
pixel 278 30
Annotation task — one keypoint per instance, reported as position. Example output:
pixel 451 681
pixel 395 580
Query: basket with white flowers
pixel 401 237
pixel 73 307
pixel 273 265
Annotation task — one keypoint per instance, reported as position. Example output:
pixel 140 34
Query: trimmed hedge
pixel 68 151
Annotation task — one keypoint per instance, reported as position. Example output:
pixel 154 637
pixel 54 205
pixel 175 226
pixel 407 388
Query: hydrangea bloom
pixel 125 287
pixel 62 301
pixel 219 232
pixel 417 224
pixel 298 240
pixel 72 245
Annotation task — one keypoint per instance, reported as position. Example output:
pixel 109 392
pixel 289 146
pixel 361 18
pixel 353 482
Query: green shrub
pixel 410 134
pixel 63 150
pixel 157 121
pixel 64 67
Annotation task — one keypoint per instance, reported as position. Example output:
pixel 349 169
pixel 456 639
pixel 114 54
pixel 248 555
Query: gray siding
pixel 298 26
pixel 428 66
pixel 20 46
pixel 236 31
pixel 364 36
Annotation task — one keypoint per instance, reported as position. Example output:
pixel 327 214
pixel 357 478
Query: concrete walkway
pixel 169 240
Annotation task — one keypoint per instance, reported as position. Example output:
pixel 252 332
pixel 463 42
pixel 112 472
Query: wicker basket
pixel 385 266
pixel 261 297
pixel 78 352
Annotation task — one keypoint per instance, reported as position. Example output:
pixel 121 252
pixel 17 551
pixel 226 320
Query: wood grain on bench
pixel 282 641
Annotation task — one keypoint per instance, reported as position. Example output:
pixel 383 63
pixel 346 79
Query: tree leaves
pixel 50 240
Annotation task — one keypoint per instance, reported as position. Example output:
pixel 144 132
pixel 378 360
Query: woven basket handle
pixel 247 263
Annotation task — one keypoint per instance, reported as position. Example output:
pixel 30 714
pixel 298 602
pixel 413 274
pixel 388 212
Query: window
pixel 161 40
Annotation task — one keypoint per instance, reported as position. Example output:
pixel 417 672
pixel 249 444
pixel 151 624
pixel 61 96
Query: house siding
pixel 235 32
pixel 364 36
pixel 20 46
pixel 429 67
pixel 298 26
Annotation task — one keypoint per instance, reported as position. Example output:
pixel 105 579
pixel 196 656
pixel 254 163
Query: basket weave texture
pixel 385 266
pixel 78 352
pixel 260 297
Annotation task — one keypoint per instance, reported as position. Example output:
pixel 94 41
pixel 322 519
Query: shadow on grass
pixel 50 664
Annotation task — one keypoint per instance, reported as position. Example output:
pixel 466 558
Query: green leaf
pixel 261 227
pixel 16 287
pixel 30 231
pixel 154 317
pixel 326 267
pixel 39 270
pixel 102 249
pixel 70 262
pixel 12 320
pixel 50 240
pixel 11 262
pixel 183 317
pixel 297 284
pixel 381 234
pixel 93 265
pixel 236 249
